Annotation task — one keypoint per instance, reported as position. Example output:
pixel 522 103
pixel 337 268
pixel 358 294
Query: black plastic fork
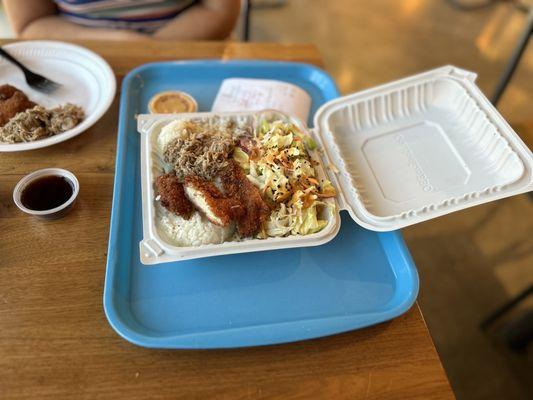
pixel 36 81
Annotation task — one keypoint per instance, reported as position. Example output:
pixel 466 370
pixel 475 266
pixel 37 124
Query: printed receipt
pixel 239 94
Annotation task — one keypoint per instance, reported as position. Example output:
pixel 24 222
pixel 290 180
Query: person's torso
pixel 141 15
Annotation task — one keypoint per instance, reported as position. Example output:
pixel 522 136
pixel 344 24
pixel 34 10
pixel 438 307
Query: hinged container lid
pixel 419 148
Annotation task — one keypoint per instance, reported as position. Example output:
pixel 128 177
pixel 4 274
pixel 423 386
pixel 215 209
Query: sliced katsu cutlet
pixel 217 207
pixel 172 195
pixel 238 186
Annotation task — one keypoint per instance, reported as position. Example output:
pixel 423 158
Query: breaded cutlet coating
pixel 172 195
pixel 216 206
pixel 12 101
pixel 238 186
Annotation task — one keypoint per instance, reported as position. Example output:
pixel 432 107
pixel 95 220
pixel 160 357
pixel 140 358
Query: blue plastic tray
pixel 359 279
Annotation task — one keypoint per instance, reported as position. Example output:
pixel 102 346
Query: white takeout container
pixel 155 248
pixel 398 154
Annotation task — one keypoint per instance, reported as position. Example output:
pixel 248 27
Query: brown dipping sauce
pixel 46 193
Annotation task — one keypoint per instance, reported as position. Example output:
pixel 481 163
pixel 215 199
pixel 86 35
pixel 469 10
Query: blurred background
pixel 471 262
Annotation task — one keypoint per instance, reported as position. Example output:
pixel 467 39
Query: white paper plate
pixel 86 79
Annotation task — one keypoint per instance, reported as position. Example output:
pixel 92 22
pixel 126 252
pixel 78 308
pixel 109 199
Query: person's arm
pixel 38 19
pixel 210 19
pixel 22 13
pixel 57 27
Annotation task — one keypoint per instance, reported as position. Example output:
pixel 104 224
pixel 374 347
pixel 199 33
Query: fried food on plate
pixel 238 186
pixel 12 101
pixel 172 195
pixel 217 207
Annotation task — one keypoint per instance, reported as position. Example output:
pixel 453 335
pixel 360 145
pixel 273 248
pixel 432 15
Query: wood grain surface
pixel 55 342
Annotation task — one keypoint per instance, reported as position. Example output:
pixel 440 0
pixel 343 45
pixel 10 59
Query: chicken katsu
pixel 218 207
pixel 256 211
pixel 172 195
pixel 12 101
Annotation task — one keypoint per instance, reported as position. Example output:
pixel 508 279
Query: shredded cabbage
pixel 242 158
pixel 283 171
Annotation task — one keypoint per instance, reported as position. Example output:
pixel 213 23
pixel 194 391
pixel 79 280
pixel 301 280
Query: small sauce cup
pixel 53 213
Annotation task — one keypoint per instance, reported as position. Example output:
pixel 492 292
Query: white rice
pixel 170 132
pixel 196 231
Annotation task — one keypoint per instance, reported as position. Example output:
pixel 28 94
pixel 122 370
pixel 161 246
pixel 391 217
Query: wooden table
pixel 55 341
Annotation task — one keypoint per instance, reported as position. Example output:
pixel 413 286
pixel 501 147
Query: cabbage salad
pixel 276 160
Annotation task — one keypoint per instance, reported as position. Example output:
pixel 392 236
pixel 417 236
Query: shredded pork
pixel 38 122
pixel 204 154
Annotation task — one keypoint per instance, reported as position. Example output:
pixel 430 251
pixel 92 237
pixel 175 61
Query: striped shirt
pixel 139 15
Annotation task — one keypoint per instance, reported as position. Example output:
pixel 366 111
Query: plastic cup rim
pixel 27 179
